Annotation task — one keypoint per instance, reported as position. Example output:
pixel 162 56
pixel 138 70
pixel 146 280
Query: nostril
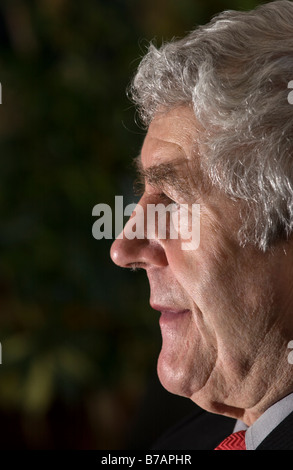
pixel 136 266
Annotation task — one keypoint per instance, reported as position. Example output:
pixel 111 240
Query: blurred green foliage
pixel 76 332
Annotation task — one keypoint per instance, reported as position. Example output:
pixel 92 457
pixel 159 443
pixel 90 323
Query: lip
pixel 170 311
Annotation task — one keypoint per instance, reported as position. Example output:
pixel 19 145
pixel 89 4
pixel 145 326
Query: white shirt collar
pixel 266 423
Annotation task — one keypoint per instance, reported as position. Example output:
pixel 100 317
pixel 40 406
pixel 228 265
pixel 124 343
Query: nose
pixel 130 252
pixel 137 253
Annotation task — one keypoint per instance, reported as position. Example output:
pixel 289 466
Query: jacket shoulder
pixel 199 431
pixel 281 438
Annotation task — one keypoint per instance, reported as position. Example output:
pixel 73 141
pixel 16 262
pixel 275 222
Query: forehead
pixel 170 136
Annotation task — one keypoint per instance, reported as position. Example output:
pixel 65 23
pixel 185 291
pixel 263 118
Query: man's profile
pixel 220 134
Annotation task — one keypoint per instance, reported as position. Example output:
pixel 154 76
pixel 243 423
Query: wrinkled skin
pixel 226 310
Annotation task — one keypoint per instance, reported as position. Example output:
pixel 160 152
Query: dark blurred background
pixel 79 340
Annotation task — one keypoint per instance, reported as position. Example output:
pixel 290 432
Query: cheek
pixel 213 278
pixel 206 270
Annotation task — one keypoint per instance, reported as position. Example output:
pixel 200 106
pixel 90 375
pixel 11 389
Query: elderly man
pixel 220 134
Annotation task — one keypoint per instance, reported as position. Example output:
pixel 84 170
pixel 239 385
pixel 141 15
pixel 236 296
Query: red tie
pixel 235 441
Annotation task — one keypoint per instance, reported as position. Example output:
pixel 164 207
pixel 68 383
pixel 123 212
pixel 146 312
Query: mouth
pixel 170 313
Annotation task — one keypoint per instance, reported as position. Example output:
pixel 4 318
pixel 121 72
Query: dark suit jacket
pixel 204 431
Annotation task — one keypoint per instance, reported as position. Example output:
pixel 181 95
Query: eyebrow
pixel 175 174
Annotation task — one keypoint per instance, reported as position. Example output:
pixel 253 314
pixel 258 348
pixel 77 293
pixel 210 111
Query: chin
pixel 174 379
pixel 176 383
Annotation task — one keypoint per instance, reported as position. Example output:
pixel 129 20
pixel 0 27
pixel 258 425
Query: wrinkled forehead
pixel 171 136
pixel 170 153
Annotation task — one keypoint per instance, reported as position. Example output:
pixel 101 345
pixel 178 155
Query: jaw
pixel 235 378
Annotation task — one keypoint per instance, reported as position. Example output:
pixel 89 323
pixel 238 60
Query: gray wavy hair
pixel 235 71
